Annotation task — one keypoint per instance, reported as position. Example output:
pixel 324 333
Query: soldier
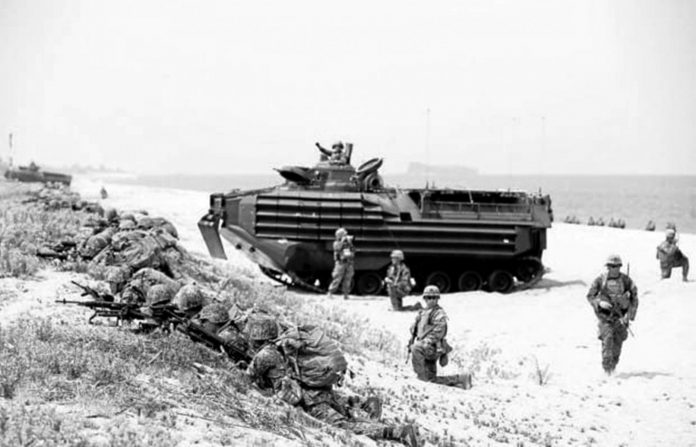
pixel 117 277
pixel 135 248
pixel 650 226
pixel 213 317
pixel 190 299
pixel 398 282
pixel 269 370
pixel 338 155
pixel 103 193
pixel 96 243
pixel 150 287
pixel 344 269
pixel 428 345
pixel 671 256
pixel 614 298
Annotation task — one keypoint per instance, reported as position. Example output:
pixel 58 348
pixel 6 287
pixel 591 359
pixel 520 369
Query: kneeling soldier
pixel 428 344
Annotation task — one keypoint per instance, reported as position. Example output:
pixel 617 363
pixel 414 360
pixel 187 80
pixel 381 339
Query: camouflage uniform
pixel 269 370
pixel 614 298
pixel 150 287
pixel 172 255
pixel 96 243
pixel 398 283
pixel 213 317
pixel 428 345
pixel 344 268
pixel 136 249
pixel 671 256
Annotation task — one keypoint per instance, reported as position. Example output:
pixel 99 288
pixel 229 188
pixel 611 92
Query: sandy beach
pixel 534 353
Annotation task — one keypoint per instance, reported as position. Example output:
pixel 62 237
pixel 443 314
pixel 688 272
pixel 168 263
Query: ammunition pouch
pixel 623 301
pixel 443 349
pixel 346 255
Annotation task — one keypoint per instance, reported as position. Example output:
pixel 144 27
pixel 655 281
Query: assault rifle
pixel 103 305
pixel 164 316
pixel 87 290
pixel 105 308
pixel 61 250
pixel 199 334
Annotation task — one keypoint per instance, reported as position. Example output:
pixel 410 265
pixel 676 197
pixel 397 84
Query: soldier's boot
pixel 609 364
pixel 406 434
pixel 465 381
pixel 373 407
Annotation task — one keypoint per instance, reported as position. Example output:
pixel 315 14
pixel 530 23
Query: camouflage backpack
pixel 316 360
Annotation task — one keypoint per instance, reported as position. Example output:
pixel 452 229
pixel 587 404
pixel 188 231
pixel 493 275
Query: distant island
pixel 440 171
pixel 419 174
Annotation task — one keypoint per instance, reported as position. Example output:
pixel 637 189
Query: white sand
pixel 648 402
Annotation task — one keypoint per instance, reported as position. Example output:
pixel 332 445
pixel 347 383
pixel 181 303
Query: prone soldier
pixel 269 370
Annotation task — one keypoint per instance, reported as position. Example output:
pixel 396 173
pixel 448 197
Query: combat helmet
pixel 117 277
pixel 215 313
pixel 341 232
pixel 126 224
pixel 189 298
pixel 398 254
pixel 159 293
pixel 669 232
pixel 261 328
pixel 111 214
pixel 337 145
pixel 614 260
pixel 431 292
pixel 233 339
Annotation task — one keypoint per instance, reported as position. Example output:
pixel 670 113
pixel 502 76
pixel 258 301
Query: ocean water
pixel 635 199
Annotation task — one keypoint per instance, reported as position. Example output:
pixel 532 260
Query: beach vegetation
pixel 540 373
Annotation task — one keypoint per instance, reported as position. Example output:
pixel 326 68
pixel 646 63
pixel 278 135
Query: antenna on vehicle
pixel 427 147
pixel 10 149
pixel 543 142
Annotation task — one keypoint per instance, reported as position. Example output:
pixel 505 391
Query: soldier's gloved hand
pixel 624 320
pixel 604 305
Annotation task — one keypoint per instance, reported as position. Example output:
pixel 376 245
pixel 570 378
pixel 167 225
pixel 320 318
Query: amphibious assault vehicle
pixel 33 173
pixel 457 239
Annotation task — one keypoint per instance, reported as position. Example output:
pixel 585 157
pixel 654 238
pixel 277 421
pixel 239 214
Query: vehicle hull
pixel 447 240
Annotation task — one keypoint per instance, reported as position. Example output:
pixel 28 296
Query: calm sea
pixel 635 199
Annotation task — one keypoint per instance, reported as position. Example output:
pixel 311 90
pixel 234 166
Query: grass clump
pixel 540 374
pixel 24 227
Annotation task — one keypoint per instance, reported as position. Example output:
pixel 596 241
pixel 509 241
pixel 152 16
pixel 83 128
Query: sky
pixel 505 87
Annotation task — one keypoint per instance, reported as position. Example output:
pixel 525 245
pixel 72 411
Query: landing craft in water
pixel 33 173
pixel 457 239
